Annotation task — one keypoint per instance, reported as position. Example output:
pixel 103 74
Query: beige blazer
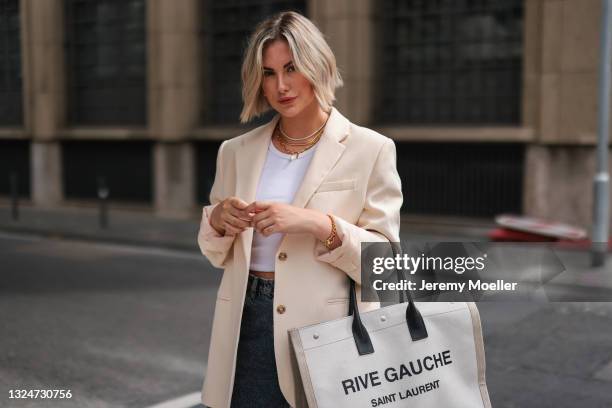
pixel 353 177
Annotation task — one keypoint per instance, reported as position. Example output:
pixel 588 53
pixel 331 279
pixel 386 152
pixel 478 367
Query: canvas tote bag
pixel 423 354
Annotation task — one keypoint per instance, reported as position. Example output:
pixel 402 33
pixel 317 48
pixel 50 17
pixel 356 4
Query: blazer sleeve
pixel 379 220
pixel 212 244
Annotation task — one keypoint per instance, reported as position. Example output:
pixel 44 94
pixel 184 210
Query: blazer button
pixel 280 309
pixel 282 256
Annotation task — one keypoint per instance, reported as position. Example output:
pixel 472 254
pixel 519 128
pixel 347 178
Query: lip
pixel 286 100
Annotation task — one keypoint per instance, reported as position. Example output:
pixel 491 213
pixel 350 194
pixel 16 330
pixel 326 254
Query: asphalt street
pixel 118 326
pixel 124 326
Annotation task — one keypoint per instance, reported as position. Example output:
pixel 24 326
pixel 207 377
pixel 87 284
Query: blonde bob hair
pixel 312 57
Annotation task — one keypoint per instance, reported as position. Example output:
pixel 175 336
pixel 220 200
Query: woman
pixel 291 202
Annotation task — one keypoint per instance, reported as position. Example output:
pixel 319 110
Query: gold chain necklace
pixel 299 139
pixel 293 139
pixel 307 143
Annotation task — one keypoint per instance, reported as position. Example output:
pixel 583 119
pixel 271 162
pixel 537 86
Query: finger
pixel 260 216
pixel 251 207
pixel 238 203
pixel 241 214
pixel 236 222
pixel 263 224
pixel 232 229
pixel 249 210
pixel 258 206
pixel 267 231
pixel 235 227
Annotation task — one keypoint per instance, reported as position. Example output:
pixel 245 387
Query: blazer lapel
pixel 325 157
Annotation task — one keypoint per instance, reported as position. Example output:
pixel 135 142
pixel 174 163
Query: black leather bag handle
pixel 416 324
pixel 414 320
pixel 360 334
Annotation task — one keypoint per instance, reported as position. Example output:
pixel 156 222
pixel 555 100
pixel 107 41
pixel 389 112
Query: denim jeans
pixel 255 381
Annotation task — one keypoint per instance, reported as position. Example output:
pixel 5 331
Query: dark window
pixel 124 166
pixel 15 160
pixel 449 61
pixel 10 64
pixel 106 61
pixel 226 26
pixel 206 168
pixel 463 179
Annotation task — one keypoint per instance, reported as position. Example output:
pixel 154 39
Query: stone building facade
pixel 492 103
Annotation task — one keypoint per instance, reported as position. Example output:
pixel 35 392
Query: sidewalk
pixel 144 228
pixel 124 226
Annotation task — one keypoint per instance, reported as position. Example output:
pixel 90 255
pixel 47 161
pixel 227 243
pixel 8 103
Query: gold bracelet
pixel 332 236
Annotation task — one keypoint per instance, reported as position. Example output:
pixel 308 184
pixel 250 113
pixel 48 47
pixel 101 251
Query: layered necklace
pixel 296 146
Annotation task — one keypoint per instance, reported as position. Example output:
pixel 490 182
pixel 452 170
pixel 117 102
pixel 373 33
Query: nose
pixel 282 84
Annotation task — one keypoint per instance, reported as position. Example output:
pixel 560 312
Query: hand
pixel 271 217
pixel 230 217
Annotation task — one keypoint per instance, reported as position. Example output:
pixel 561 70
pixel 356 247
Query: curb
pixel 101 238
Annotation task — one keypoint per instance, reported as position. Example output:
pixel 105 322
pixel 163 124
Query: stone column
pixel 560 166
pixel 174 178
pixel 348 26
pixel 46 173
pixel 42 25
pixel 174 100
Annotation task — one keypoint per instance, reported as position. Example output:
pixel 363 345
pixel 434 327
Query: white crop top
pixel 280 179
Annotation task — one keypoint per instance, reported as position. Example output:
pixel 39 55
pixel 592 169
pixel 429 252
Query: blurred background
pixel 111 114
pixel 492 103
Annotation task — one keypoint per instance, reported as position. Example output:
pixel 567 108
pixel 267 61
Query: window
pixel 124 166
pixel 106 61
pixel 206 154
pixel 462 179
pixel 15 162
pixel 225 30
pixel 11 113
pixel 449 62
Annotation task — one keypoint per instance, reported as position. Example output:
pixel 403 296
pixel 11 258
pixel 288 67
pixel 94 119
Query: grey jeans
pixel 255 380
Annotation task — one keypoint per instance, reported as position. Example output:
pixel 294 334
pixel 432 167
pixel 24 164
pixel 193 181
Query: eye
pixel 290 68
pixel 268 73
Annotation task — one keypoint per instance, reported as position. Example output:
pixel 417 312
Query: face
pixel 287 91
